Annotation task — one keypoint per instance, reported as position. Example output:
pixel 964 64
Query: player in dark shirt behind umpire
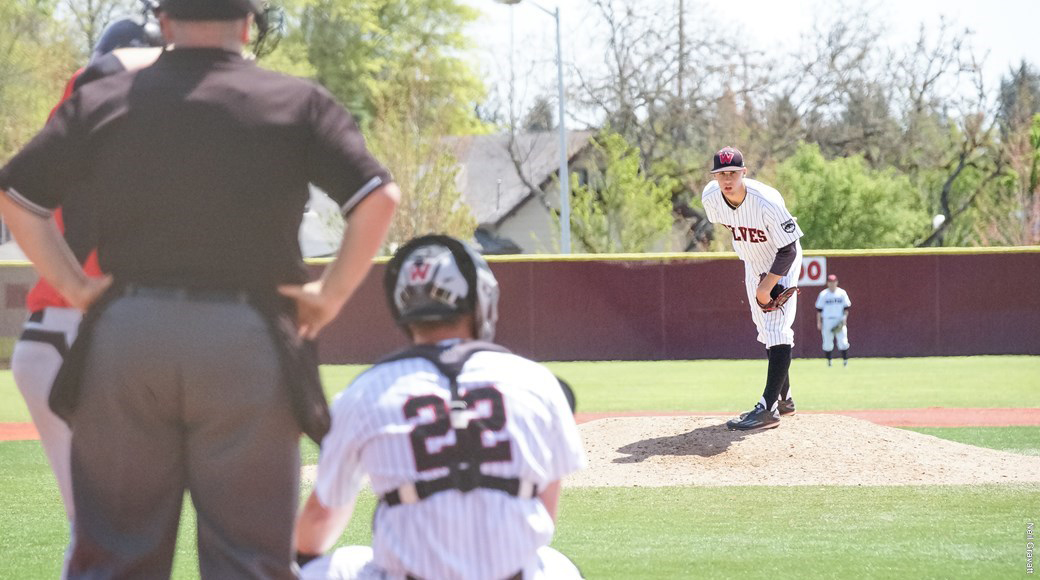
pixel 197 168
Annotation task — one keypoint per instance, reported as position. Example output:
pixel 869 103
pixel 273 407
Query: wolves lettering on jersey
pixel 742 234
pixel 392 424
pixel 833 304
pixel 761 224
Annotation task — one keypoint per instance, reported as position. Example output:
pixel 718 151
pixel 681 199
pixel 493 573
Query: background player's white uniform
pixel 381 427
pixel 760 226
pixel 832 307
pixel 35 361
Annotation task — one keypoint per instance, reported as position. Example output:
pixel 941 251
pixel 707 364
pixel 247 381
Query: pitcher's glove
pixel 778 296
pixel 837 327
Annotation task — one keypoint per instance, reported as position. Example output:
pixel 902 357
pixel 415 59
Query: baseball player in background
pixel 765 236
pixel 124 45
pixel 832 317
pixel 465 444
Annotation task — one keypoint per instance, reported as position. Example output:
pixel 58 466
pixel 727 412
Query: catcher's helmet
pixel 127 33
pixel 435 278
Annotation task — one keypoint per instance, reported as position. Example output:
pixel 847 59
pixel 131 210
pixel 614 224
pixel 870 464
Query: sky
pixel 1009 30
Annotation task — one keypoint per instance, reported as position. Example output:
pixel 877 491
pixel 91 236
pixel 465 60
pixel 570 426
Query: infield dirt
pixel 813 449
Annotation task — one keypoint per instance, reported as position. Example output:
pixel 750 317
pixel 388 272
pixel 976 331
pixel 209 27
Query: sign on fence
pixel 814 271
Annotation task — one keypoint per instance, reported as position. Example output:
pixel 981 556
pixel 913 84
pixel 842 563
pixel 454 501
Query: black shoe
pixel 845 362
pixel 757 418
pixel 786 407
pixel 828 362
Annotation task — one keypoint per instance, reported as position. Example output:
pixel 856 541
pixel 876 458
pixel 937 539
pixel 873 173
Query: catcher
pixel 832 316
pixel 765 236
pixel 464 443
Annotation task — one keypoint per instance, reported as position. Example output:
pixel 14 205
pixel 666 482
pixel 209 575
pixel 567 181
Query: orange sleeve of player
pixel 42 295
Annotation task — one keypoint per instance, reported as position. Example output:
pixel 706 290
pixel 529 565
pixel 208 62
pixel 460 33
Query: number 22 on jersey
pixel 469 449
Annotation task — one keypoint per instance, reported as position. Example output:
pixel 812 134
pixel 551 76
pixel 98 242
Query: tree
pixel 88 18
pixel 36 60
pixel 843 203
pixel 620 209
pixel 362 51
pixel 1019 97
pixel 424 168
pixel 540 117
pixel 1033 193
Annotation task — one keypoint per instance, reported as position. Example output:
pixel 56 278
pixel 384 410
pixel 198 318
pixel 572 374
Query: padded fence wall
pixel 915 304
pixel 905 303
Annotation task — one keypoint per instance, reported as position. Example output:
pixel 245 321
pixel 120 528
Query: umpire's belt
pixel 188 294
pixel 420 490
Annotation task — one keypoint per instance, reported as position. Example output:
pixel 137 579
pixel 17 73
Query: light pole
pixel 565 181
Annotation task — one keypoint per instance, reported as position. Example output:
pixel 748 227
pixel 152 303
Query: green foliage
pixel 363 51
pixel 842 203
pixel 36 59
pixel 620 209
pixel 405 138
pixel 1034 143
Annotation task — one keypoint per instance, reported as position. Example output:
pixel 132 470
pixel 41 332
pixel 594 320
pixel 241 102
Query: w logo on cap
pixel 420 272
pixel 727 158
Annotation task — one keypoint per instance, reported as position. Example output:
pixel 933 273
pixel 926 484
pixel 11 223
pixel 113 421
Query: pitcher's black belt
pixel 188 294
pixel 421 490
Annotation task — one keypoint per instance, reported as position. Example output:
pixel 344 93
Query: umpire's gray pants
pixel 181 395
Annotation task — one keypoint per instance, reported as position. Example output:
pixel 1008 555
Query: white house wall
pixel 532 228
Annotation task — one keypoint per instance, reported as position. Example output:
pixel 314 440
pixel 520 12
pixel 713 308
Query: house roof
pixel 488 179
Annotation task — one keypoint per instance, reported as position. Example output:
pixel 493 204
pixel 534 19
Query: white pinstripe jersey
pixel 760 225
pixel 378 429
pixel 833 304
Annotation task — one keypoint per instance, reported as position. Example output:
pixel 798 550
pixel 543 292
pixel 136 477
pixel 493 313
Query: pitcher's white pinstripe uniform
pixel 760 226
pixel 483 534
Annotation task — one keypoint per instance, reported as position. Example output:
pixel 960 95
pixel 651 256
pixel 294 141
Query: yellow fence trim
pixel 700 256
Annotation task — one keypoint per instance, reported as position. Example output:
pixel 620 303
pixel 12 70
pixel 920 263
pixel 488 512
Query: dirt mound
pixel 811 449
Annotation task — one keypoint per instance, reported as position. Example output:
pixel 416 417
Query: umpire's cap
pixel 211 9
pixel 126 33
pixel 437 278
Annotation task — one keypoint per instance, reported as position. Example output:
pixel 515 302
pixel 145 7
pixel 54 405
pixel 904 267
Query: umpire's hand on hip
pixel 318 303
pixel 88 292
pixel 314 309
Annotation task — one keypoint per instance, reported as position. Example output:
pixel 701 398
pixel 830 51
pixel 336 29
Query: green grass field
pixel 708 532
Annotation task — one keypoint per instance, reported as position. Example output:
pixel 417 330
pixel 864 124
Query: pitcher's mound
pixel 805 450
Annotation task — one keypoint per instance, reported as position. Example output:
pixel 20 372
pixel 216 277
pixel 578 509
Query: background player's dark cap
pixel 727 159
pixel 125 33
pixel 210 9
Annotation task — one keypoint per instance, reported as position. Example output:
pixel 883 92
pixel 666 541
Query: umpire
pixel 192 368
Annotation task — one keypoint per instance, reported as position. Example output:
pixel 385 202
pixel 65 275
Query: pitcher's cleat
pixel 755 419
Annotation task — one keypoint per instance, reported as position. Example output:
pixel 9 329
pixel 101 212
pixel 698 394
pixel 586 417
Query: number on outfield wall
pixel 814 271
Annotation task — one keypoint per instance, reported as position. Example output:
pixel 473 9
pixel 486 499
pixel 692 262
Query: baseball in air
pixel 938 221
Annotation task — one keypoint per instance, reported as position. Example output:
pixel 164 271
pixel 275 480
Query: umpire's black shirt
pixel 197 169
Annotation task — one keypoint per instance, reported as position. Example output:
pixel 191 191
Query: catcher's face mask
pixel 434 278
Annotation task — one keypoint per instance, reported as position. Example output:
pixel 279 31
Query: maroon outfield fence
pixel 692 306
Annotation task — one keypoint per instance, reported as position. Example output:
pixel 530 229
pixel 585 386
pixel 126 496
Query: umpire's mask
pixel 436 277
